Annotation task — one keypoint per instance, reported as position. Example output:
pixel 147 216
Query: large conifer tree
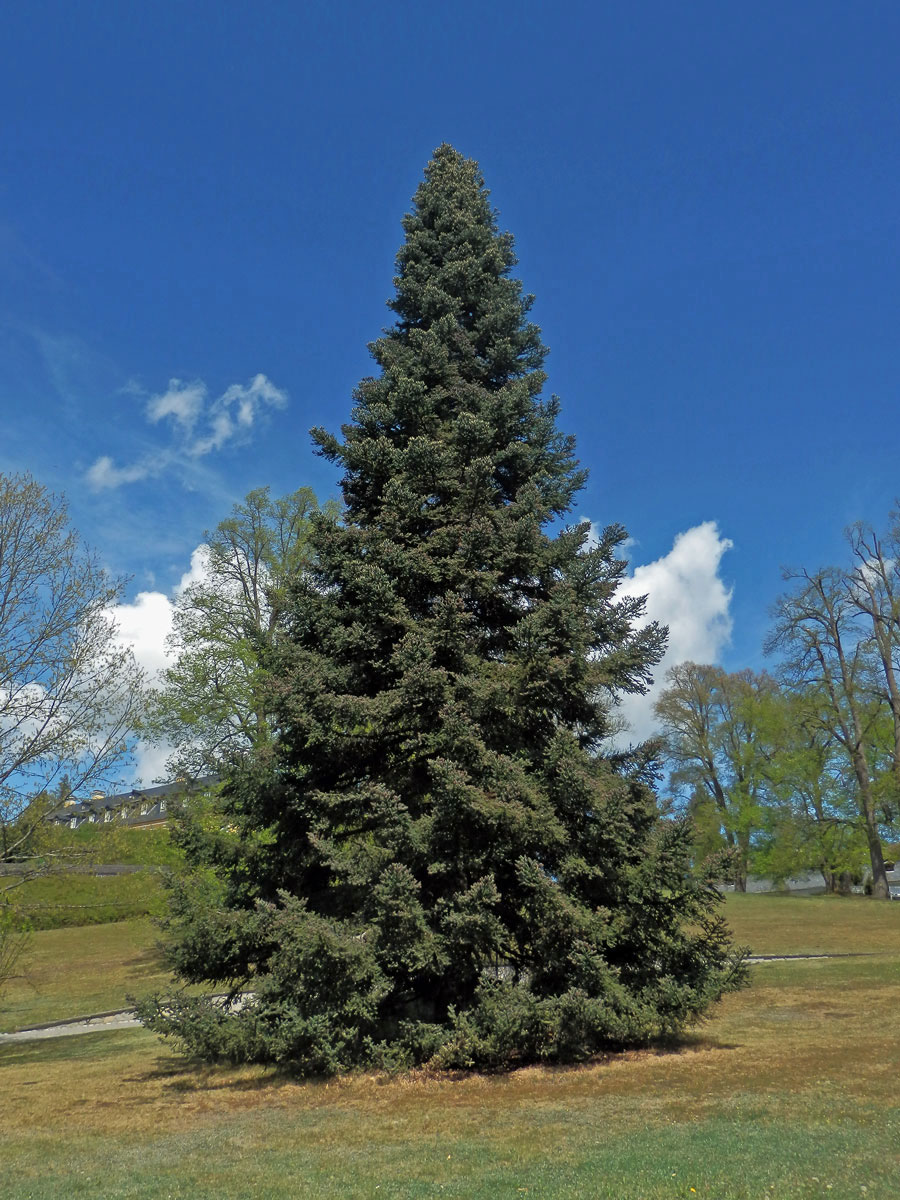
pixel 439 858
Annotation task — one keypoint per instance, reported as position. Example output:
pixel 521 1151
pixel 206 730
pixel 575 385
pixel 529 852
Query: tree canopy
pixel 438 856
pixel 211 707
pixel 827 650
pixel 757 766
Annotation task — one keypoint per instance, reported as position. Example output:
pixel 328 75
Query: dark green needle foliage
pixel 439 859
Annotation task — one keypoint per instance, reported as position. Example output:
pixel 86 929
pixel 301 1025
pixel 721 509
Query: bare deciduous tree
pixel 70 693
pixel 874 587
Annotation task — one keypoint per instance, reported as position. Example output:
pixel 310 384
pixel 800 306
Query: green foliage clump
pixel 439 858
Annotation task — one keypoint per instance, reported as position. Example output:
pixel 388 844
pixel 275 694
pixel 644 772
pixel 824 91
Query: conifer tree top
pixel 461 367
pixel 456 263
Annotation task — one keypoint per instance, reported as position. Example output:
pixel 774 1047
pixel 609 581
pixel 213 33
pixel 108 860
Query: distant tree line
pixel 800 769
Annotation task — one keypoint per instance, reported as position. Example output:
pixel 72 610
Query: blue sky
pixel 704 201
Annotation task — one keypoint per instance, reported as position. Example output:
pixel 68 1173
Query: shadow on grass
pixel 147 962
pixel 185 1075
pixel 86 1046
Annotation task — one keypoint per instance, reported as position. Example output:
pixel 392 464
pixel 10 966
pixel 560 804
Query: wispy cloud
pixel 235 412
pixel 199 426
pixel 103 473
pixel 183 401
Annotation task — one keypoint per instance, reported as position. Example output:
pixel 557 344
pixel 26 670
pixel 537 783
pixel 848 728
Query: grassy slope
pixel 77 897
pixel 788 1092
pixel 56 901
pixel 68 972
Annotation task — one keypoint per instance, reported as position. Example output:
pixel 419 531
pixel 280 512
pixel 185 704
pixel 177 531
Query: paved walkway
pixel 123 1019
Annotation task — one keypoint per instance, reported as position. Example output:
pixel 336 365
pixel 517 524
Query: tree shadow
pixel 187 1075
pixel 147 962
pixel 183 1074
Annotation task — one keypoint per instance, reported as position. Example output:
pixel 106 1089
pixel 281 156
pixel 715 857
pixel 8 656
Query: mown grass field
pixel 73 972
pixel 58 901
pixel 789 1091
pixel 773 924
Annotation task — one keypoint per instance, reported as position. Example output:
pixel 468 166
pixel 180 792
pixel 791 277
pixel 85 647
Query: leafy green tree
pixel 719 751
pixel 764 773
pixel 812 819
pixel 825 648
pixel 435 858
pixel 210 708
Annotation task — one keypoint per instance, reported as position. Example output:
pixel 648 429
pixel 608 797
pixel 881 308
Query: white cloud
pixel 105 474
pixel 198 570
pixel 228 419
pixel 221 431
pixel 183 401
pixel 684 591
pixel 150 764
pixel 235 412
pixel 144 626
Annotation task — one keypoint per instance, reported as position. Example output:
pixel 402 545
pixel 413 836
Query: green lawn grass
pixel 117 843
pixel 787 1092
pixel 70 972
pixel 111 843
pixel 778 924
pixel 77 898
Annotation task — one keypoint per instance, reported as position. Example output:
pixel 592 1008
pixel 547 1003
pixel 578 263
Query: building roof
pixel 140 806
